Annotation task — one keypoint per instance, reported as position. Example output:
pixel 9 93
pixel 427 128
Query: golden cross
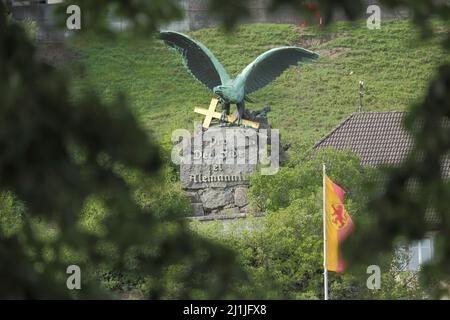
pixel 211 113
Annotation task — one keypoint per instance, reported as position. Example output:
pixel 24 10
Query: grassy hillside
pixel 307 102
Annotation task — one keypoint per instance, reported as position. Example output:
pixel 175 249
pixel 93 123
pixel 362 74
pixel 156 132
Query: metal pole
pixel 361 95
pixel 325 264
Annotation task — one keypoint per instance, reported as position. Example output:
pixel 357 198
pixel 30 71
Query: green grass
pixel 306 102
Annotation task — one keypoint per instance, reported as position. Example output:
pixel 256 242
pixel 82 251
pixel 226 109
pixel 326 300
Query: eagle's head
pixel 226 93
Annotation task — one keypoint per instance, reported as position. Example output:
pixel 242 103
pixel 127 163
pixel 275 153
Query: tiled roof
pixel 376 137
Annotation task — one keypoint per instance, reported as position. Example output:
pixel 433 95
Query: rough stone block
pixel 216 198
pixel 240 197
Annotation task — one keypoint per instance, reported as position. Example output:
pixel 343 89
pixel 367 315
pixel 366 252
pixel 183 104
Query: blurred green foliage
pixel 67 171
pixel 412 199
pixel 88 178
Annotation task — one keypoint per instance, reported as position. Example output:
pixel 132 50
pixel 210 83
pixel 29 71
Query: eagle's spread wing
pixel 199 61
pixel 271 64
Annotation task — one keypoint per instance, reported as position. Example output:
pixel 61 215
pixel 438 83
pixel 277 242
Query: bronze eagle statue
pixel 205 67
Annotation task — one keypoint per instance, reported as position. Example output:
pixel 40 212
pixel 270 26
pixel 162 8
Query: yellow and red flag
pixel 338 225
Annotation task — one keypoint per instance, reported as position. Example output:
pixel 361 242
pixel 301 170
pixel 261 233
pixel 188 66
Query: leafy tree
pixel 56 154
pixel 412 199
pixel 59 158
pixel 283 251
pixel 402 203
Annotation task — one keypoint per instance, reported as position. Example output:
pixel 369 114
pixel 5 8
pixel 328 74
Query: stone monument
pixel 215 165
pixel 222 161
pixel 217 162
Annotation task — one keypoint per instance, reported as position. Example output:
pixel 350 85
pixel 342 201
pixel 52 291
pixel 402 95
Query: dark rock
pixel 197 210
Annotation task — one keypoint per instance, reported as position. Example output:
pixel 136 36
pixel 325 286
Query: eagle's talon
pixel 223 118
pixel 237 121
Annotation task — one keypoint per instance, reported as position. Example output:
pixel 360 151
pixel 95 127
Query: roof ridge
pixel 395 111
pixel 334 129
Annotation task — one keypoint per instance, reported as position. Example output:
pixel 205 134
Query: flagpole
pixel 325 264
